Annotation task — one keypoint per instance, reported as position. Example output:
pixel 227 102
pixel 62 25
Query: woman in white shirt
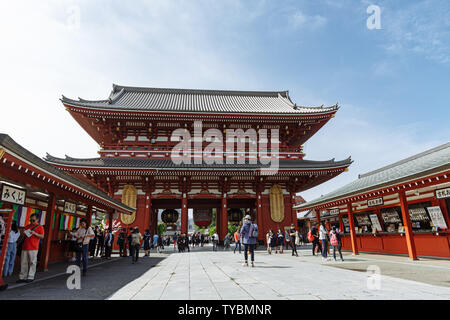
pixel 84 235
pixel 323 237
pixel 14 234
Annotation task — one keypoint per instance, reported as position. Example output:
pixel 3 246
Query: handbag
pixel 79 245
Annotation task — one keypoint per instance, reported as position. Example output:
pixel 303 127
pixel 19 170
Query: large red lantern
pixel 202 217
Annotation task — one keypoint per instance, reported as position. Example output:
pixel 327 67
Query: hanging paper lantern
pixel 169 216
pixel 235 216
pixel 202 217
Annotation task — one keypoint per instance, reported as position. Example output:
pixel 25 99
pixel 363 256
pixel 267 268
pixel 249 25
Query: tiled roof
pixel 8 143
pixel 189 100
pixel 168 163
pixel 423 163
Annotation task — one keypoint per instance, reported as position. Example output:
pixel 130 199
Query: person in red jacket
pixel 33 233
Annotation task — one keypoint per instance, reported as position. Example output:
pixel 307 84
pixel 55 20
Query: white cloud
pixel 361 134
pixel 300 20
pixel 420 27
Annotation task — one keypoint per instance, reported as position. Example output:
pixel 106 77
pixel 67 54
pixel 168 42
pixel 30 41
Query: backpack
pixel 334 240
pixel 254 233
pixel 310 237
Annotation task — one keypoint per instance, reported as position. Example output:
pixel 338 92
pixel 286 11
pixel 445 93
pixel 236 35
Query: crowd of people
pixel 87 242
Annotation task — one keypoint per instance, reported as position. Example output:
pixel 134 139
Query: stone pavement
pixel 206 275
pixel 220 275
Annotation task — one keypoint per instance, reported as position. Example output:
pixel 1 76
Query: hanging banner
pixel 437 217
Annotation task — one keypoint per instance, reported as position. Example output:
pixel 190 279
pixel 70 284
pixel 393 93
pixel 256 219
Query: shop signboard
pixel 70 207
pixel 375 202
pixel 324 213
pixel 13 195
pixel 443 193
pixel 375 222
pixel 334 211
pixel 437 217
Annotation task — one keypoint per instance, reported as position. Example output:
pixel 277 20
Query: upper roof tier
pixel 124 98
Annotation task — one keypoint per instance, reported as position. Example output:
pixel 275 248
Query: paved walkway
pixel 205 275
pixel 220 275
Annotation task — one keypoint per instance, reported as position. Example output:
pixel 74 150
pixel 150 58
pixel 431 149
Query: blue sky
pixel 392 84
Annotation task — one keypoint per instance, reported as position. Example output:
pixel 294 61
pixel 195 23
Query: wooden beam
pixel 407 224
pixel 48 231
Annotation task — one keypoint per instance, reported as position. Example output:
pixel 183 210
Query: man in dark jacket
pixel 248 234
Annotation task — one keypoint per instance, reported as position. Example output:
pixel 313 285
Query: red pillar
pixel 351 222
pixel 223 230
pixel 293 211
pixel 148 210
pixel 184 214
pixel 259 217
pixel 407 224
pixel 89 214
pixel 110 219
pixel 50 212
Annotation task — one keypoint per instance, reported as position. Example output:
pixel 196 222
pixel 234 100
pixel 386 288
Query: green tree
pixel 232 228
pixel 162 228
pixel 212 230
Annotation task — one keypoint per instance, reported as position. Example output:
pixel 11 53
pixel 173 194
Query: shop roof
pixel 136 163
pixel 123 98
pixel 427 162
pixel 10 145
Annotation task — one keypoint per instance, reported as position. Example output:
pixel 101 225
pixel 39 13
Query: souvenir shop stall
pixel 29 185
pixel 402 208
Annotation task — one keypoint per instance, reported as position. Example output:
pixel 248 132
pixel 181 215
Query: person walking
pixel 215 241
pixel 335 241
pixel 249 232
pixel 72 245
pixel 292 235
pixel 160 244
pixel 93 243
pixel 314 238
pixel 84 235
pixel 147 239
pixel 226 242
pixel 121 242
pixel 202 240
pixel 271 241
pixel 323 237
pixel 280 240
pixel 109 240
pixel 11 252
pixel 100 243
pixel 155 241
pixel 33 233
pixel 135 245
pixel 237 241
pixel 175 239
